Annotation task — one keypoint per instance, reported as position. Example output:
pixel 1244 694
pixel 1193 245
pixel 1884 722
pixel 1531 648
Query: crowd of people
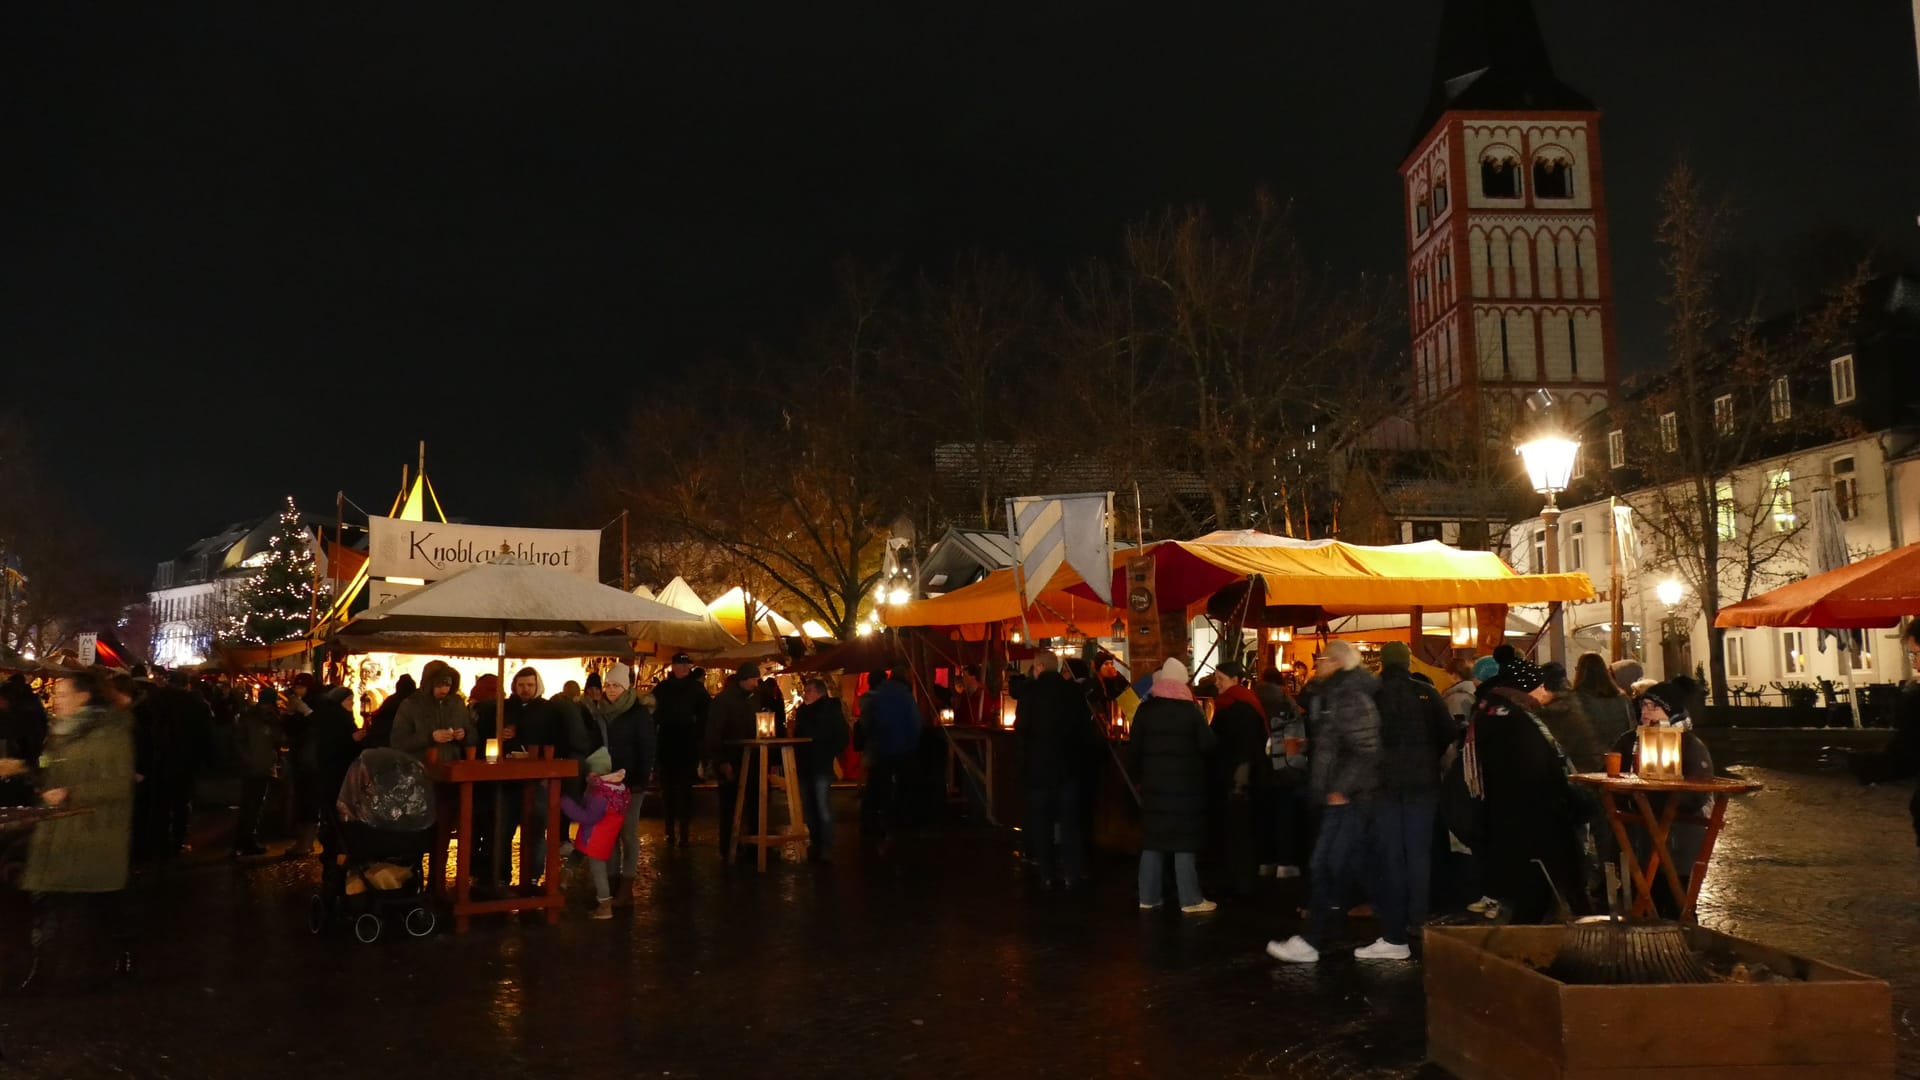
pixel 1384 790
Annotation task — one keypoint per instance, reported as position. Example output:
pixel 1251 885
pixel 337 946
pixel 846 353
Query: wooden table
pixel 978 763
pixel 1614 789
pixel 796 819
pixel 464 774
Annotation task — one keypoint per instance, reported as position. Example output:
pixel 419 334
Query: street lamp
pixel 1549 457
pixel 1670 593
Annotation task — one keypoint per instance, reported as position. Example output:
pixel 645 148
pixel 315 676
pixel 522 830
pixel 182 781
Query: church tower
pixel 1507 254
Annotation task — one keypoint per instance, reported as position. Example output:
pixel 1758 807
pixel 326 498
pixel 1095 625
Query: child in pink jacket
pixel 599 812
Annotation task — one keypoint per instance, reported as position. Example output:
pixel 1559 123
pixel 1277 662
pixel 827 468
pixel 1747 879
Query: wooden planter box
pixel 1490 1016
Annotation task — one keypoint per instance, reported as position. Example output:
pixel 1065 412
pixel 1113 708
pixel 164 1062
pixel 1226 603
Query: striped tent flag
pixel 1052 529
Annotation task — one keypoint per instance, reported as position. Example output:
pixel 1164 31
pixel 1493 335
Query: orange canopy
pixel 1337 577
pixel 994 599
pixel 1874 592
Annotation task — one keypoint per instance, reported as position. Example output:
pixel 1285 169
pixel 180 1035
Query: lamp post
pixel 1670 593
pixel 1549 458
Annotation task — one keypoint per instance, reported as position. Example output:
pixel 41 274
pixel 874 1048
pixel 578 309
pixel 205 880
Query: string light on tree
pixel 277 600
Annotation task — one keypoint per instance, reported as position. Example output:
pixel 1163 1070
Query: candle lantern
pixel 1466 627
pixel 946 717
pixel 1660 753
pixel 1279 635
pixel 493 750
pixel 763 724
pixel 1007 707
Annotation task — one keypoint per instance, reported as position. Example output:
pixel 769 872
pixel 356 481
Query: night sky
pixel 277 244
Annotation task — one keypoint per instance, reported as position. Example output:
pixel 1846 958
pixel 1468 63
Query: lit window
pixel 1577 546
pixel 1723 414
pixel 1846 488
pixel 1780 498
pixel 1723 509
pixel 1736 656
pixel 1669 431
pixel 1426 530
pixel 1859 650
pixel 1780 400
pixel 1842 372
pixel 1580 463
pixel 1793 652
pixel 1616 449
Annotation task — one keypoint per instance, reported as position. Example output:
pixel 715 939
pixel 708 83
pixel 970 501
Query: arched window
pixel 1499 173
pixel 1419 217
pixel 1439 198
pixel 1552 173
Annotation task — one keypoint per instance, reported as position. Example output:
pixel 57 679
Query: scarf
pixel 1167 688
pixel 1239 693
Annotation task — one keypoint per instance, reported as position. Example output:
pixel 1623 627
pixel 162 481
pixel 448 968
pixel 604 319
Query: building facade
pixel 195 600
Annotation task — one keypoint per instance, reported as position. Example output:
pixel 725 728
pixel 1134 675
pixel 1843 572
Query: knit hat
pixel 1626 673
pixel 1396 654
pixel 1669 697
pixel 618 675
pixel 1554 674
pixel 745 672
pixel 1521 674
pixel 682 658
pixel 593 681
pixel 305 679
pixel 600 763
pixel 1232 669
pixel 1485 668
pixel 1343 653
pixel 1172 671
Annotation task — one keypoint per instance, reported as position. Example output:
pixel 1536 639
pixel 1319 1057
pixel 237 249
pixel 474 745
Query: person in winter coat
pixel 1240 776
pixel 1567 721
pixel 1345 779
pixel 326 749
pixel 892 722
pixel 623 724
pixel 77 866
pixel 435 717
pixel 532 722
pixel 1530 811
pixel 380 724
pixel 821 719
pixel 1288 816
pixel 1171 742
pixel 680 717
pixel 599 812
pixel 731 720
pixel 1415 732
pixel 1458 695
pixel 1664 705
pixel 1055 727
pixel 173 732
pixel 23 733
pixel 258 737
pixel 1608 710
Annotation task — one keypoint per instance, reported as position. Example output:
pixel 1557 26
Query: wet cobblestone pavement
pixel 939 962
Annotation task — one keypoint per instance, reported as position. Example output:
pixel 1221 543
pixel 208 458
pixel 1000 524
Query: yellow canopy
pixel 1337 577
pixel 994 599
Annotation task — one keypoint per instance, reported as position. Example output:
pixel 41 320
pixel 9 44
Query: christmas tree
pixel 276 603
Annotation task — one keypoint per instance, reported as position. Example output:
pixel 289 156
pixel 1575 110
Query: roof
pixel 1490 56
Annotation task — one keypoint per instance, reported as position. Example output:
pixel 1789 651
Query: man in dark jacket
pixel 1241 774
pixel 892 723
pixel 531 722
pixel 1415 731
pixel 821 719
pixel 1344 779
pixel 325 751
pixel 730 720
pixel 680 717
pixel 1055 728
pixel 174 729
pixel 380 724
pixel 257 736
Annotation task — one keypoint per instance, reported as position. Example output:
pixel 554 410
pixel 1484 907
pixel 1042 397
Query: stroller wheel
pixel 317 914
pixel 367 928
pixel 421 921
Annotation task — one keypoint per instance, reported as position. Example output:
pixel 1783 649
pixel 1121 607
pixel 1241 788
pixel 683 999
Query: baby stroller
pixel 372 850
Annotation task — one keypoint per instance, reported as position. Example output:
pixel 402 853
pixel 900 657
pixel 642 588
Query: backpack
pixel 1289 769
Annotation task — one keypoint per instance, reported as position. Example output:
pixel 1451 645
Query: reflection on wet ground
pixel 939 962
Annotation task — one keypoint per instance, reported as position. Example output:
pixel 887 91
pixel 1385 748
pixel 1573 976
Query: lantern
pixel 763 724
pixel 1466 627
pixel 946 717
pixel 493 750
pixel 1279 635
pixel 1660 753
pixel 1007 709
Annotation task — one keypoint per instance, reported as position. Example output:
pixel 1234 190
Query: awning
pixel 519 646
pixel 994 599
pixel 1336 577
pixel 1873 592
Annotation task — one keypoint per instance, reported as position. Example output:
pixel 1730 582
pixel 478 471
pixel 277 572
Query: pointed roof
pixel 703 636
pixel 1491 56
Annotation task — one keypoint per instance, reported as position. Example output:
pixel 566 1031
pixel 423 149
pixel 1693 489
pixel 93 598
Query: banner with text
pixel 431 550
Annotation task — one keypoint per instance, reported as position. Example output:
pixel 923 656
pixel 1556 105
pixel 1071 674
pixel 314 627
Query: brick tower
pixel 1507 254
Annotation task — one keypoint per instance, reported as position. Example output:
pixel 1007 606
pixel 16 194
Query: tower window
pixel 1439 198
pixel 1506 358
pixel 1573 350
pixel 1552 174
pixel 1419 217
pixel 1446 268
pixel 1499 174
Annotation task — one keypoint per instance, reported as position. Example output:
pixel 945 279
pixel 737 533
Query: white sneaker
pixel 1294 950
pixel 1286 871
pixel 1149 907
pixel 1200 908
pixel 1382 949
pixel 1484 905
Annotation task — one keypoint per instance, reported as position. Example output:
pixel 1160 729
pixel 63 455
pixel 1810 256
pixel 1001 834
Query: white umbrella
pixel 1827 550
pixel 509 596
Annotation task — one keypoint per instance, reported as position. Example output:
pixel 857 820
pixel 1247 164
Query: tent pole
pixel 500 691
pixel 1846 668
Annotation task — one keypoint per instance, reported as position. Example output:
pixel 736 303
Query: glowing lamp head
pixel 1670 592
pixel 899 595
pixel 1549 460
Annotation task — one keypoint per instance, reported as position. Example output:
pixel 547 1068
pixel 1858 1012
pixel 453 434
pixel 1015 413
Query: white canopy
pixel 706 635
pixel 508 596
